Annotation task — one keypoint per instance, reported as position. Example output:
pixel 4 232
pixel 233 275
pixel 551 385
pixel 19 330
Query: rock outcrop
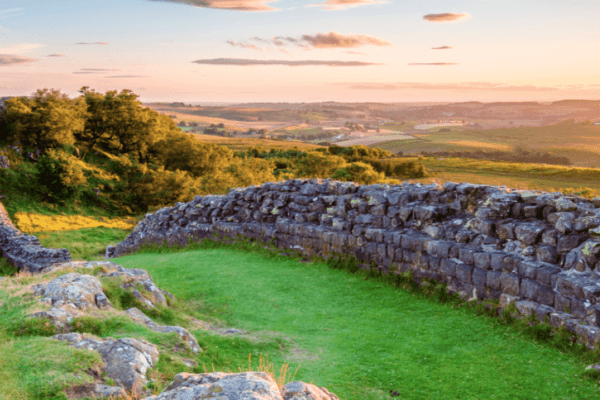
pixel 538 250
pixel 244 385
pixel 126 360
pixel 189 340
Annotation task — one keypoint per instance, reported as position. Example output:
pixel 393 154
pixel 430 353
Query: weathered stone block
pixel 448 267
pixel 463 272
pixel 510 283
pixel 529 233
pixel 547 253
pixel 479 277
pixel 529 288
pixel 482 260
pixel 544 274
pixel 562 303
pixel 493 279
pixel 545 295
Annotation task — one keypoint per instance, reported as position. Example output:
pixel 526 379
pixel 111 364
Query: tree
pixel 119 124
pixel 318 165
pixel 58 178
pixel 180 151
pixel 47 120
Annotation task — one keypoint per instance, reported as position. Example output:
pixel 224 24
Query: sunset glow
pixel 205 51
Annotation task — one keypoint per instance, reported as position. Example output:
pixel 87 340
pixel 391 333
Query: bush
pixel 57 179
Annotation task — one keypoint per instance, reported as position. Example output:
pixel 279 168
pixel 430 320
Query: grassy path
pixel 363 338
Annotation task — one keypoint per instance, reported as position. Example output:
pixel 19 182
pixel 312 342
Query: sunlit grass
pixel 362 337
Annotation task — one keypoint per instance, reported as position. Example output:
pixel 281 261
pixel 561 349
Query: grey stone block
pixel 547 253
pixel 544 274
pixel 529 289
pixel 463 272
pixel 529 233
pixel 448 267
pixel 482 260
pixel 479 277
pixel 562 303
pixel 545 295
pixel 493 279
pixel 510 283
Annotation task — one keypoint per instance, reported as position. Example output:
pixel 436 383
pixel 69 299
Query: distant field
pixel 579 142
pixel 373 140
pixel 432 126
pixel 239 144
pixel 514 175
pixel 229 125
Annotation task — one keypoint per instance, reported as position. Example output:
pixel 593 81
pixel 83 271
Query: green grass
pixel 362 337
pixel 578 142
pixel 84 244
pixel 551 178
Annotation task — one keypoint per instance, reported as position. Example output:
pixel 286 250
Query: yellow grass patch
pixel 238 144
pixel 491 146
pixel 30 222
pixel 294 127
pixel 207 120
pixel 371 140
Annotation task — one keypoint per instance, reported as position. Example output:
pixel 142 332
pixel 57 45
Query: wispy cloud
pixel 343 4
pixel 56 55
pixel 334 39
pixel 244 45
pixel 100 43
pixel 235 5
pixel 19 47
pixel 442 48
pixel 445 17
pixel 13 59
pixel 247 62
pixel 94 71
pixel 480 86
pixel 10 10
pixel 356 52
pixel 316 41
pixel 436 63
pixel 126 76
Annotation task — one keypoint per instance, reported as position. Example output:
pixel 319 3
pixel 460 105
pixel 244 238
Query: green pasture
pixel 579 142
pixel 361 337
pixel 551 178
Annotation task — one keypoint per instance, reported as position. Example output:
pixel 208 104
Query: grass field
pixel 585 181
pixel 579 142
pixel 372 141
pixel 238 144
pixel 359 337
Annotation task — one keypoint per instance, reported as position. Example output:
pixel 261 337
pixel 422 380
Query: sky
pixel 212 51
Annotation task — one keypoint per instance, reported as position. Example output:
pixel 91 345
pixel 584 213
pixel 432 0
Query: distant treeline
pixel 106 150
pixel 519 154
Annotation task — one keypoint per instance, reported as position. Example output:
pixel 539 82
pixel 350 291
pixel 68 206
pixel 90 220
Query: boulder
pixel 306 391
pixel 126 360
pixel 80 291
pixel 96 391
pixel 240 386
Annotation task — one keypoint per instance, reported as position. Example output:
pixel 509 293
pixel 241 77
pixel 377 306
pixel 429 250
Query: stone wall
pixel 25 251
pixel 540 251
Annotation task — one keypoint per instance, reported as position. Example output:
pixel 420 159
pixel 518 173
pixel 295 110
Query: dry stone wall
pixel 25 251
pixel 540 251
